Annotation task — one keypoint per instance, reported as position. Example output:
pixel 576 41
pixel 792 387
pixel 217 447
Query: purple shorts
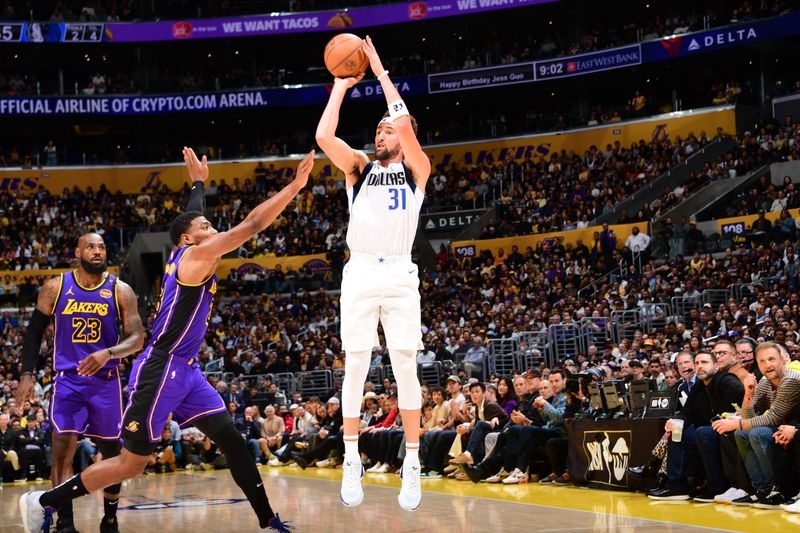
pixel 161 384
pixel 88 405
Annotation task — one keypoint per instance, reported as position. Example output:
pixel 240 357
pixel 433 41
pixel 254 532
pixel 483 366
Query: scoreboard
pixel 52 32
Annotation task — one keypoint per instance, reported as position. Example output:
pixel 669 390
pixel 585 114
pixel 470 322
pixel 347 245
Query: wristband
pixel 398 109
pixel 382 74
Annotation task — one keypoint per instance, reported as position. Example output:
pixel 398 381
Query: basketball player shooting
pixel 166 378
pixel 380 282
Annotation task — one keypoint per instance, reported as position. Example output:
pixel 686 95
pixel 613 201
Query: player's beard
pixel 91 268
pixel 384 154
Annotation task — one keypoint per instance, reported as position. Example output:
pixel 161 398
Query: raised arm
pixel 198 173
pixel 348 160
pixel 32 345
pixel 133 334
pixel 415 158
pixel 214 247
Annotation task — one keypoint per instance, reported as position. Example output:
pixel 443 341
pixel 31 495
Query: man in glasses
pixel 728 360
pixel 745 352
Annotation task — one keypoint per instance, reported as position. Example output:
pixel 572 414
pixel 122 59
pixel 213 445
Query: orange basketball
pixel 344 57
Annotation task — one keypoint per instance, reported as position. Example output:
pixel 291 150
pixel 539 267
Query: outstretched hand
pixel 304 169
pixel 372 55
pixel 198 170
pixel 348 82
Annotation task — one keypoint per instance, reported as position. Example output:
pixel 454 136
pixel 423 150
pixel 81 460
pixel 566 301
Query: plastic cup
pixel 677 429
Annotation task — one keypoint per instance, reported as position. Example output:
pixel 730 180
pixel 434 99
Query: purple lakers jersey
pixel 86 320
pixel 183 311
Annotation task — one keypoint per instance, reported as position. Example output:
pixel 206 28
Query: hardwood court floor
pixel 210 502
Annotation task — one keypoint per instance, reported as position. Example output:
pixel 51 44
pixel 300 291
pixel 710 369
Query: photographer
pixel 166 454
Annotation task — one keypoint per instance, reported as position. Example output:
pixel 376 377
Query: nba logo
pixel 182 30
pixel 572 66
pixel 417 10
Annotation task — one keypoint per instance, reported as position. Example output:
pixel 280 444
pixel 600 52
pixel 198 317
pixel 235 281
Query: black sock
pixel 110 506
pixel 244 471
pixel 66 492
pixel 65 513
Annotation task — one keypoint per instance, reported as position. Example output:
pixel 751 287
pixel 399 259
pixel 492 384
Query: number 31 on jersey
pixel 398 198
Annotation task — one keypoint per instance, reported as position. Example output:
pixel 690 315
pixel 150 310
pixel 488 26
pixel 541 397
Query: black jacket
pixel 707 401
pixel 24 437
pixel 333 424
pixel 8 440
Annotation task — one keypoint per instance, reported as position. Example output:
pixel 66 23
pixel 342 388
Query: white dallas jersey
pixel 384 210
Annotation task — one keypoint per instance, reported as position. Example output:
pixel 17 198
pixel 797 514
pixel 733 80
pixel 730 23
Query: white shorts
pixel 385 288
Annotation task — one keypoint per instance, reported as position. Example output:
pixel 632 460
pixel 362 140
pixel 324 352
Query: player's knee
pixel 132 465
pixel 61 448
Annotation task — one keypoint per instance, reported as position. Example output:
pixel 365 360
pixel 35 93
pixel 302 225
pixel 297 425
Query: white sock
pixel 351 447
pixel 412 453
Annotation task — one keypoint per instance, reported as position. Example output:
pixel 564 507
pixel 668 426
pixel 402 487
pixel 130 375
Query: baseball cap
pixel 454 378
pixel 533 373
pixel 293 406
pixel 370 394
pixel 335 400
pixel 648 342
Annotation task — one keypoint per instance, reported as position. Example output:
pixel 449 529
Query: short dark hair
pixel 181 224
pixel 707 352
pixel 414 124
pixel 560 373
pixel 478 384
pixel 440 390
pixel 726 341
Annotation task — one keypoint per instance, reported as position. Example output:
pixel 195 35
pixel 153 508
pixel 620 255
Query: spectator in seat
pixel 250 429
pixel 699 448
pixel 302 430
pixel 441 441
pixel 30 447
pixel 272 429
pixel 773 402
pixel 522 436
pixel 557 448
pixel 745 353
pixel 725 352
pixel 329 438
pixel 371 443
pixel 8 453
pixel 507 395
pixel 475 357
pixel 166 453
pixel 489 416
pixel 437 422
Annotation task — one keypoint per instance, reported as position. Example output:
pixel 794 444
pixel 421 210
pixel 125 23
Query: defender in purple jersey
pixel 166 377
pixel 96 323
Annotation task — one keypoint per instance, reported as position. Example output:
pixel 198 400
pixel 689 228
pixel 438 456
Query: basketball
pixel 344 57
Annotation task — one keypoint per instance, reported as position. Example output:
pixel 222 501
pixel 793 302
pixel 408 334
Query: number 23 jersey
pixel 86 320
pixel 384 210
